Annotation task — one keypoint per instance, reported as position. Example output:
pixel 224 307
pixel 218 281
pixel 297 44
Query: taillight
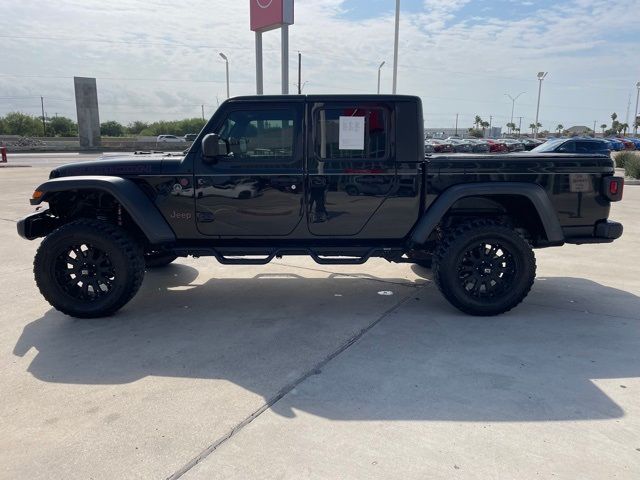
pixel 613 188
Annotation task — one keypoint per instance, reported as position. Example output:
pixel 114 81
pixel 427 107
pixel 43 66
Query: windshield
pixel 549 146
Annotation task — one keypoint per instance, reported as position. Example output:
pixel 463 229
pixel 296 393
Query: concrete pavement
pixel 296 370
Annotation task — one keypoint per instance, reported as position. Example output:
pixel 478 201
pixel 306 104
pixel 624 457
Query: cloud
pixel 160 59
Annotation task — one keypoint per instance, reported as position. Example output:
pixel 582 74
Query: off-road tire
pixel 119 254
pixel 455 267
pixel 155 259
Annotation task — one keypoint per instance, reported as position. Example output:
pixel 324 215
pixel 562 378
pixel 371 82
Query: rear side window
pixel 589 147
pixel 351 133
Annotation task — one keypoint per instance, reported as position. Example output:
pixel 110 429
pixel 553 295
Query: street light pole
pixel 284 52
pixel 226 60
pixel 380 68
pixel 636 116
pixel 44 122
pixel 513 103
pixel 395 49
pixel 541 77
pixel 299 73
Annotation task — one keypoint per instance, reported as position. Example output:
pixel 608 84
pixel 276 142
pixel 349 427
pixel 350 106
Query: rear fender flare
pixel 533 192
pixel 140 207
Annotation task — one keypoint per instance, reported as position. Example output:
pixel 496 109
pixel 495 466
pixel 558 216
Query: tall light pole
pixel 541 77
pixel 226 60
pixel 380 68
pixel 299 73
pixel 636 117
pixel 513 103
pixel 395 49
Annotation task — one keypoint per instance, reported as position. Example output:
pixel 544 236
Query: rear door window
pixel 351 133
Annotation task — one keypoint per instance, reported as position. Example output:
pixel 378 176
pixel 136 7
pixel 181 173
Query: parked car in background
pixel 460 146
pixel 635 141
pixel 441 146
pixel 478 146
pixel 428 148
pixel 170 139
pixel 513 145
pixel 574 145
pixel 497 146
pixel 191 137
pixel 616 145
pixel 628 145
pixel 530 143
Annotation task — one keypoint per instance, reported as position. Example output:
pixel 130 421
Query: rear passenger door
pixel 351 165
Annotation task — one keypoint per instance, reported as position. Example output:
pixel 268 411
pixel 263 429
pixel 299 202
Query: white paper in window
pixel 351 133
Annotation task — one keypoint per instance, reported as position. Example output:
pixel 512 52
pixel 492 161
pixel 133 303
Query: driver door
pixel 256 188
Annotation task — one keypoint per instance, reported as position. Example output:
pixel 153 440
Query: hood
pixel 118 165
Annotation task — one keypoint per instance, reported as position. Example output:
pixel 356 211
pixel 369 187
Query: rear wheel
pixel 88 268
pixel 484 268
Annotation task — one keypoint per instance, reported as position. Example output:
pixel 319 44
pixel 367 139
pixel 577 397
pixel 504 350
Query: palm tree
pixel 624 127
pixel 603 127
pixel 614 116
pixel 477 121
pixel 559 128
pixel 484 126
pixel 511 126
pixel 532 126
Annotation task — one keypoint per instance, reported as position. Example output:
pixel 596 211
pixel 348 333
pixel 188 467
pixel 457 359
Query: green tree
pixel 560 128
pixel 16 123
pixel 484 126
pixel 134 128
pixel 111 129
pixel 511 126
pixel 62 127
pixel 532 126
pixel 624 127
pixel 603 127
pixel 477 122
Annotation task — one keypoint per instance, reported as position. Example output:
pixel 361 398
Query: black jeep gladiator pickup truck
pixel 339 178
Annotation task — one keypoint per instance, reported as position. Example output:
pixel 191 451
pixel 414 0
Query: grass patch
pixel 622 158
pixel 632 166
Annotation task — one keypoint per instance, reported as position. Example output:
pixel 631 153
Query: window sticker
pixel 351 133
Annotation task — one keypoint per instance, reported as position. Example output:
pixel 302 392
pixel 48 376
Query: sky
pixel 158 59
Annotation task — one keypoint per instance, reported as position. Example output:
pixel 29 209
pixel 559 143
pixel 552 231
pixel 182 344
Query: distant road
pixel 49 159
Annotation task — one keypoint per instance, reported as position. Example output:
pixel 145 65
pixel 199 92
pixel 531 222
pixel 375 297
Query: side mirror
pixel 211 147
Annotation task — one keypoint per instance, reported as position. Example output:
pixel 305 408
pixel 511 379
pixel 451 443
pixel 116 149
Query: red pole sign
pixel 269 14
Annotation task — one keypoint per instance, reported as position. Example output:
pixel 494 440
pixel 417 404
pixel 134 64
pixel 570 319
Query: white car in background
pixel 170 139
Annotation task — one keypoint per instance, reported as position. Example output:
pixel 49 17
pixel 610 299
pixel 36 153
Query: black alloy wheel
pixel 88 268
pixel 483 267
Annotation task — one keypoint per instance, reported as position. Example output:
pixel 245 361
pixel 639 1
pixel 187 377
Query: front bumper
pixel 36 225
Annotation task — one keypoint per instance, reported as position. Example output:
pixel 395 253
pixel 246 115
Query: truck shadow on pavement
pixel 423 361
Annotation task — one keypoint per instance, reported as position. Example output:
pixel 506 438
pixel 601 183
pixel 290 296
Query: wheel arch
pixel 140 208
pixel 526 202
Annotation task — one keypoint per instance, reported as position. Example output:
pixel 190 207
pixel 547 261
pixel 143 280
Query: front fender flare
pixel 140 207
pixel 533 192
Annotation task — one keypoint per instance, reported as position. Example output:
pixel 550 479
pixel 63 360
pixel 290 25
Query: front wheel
pixel 88 268
pixel 484 268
